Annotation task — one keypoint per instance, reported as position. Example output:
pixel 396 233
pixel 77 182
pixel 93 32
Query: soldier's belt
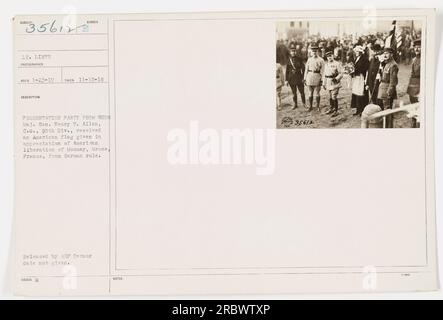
pixel 313 71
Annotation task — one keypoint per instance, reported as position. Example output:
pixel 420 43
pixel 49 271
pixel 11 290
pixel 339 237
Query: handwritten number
pixel 42 28
pixel 30 28
pixel 52 27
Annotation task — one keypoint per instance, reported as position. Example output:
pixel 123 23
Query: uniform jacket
pixel 314 71
pixel 374 66
pixel 282 54
pixel 389 81
pixel 414 81
pixel 332 75
pixel 295 70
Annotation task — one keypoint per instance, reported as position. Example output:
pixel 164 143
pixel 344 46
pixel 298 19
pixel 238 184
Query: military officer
pixel 295 70
pixel 331 82
pixel 414 81
pixel 387 91
pixel 280 82
pixel 313 76
pixel 373 76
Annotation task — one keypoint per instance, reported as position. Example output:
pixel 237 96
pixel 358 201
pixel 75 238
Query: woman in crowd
pixel 359 93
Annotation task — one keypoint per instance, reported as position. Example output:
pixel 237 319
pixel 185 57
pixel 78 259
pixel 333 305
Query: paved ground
pixel 301 118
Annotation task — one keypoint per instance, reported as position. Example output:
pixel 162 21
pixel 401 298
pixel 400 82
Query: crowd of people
pixel 372 67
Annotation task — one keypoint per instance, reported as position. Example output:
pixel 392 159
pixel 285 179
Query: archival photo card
pixel 154 153
pixel 349 73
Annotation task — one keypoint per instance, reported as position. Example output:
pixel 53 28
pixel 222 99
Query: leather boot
pixel 295 102
pixel 331 106
pixel 303 99
pixel 335 113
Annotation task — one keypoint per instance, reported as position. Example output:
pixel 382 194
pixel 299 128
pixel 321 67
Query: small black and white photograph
pixel 348 74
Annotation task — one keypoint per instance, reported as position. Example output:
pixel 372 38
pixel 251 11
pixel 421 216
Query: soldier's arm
pixel 366 76
pixel 393 80
pixel 306 70
pixel 323 77
pixel 322 68
pixel 412 67
pixel 287 72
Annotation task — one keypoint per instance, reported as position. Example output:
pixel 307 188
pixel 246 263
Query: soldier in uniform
pixel 313 76
pixel 373 76
pixel 387 91
pixel 331 82
pixel 295 70
pixel 280 82
pixel 414 81
pixel 282 52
